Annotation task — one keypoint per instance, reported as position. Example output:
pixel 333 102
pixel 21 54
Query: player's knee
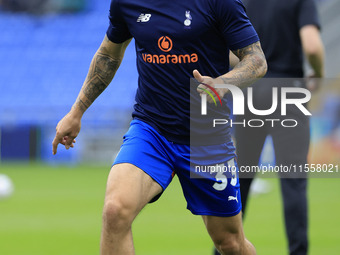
pixel 117 216
pixel 229 245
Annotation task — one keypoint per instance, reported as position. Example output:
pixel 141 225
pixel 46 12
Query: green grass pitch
pixel 56 210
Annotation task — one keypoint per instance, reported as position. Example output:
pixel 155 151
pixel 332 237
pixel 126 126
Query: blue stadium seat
pixel 44 61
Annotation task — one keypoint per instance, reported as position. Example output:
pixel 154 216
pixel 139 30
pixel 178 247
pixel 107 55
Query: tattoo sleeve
pixel 251 67
pixel 102 69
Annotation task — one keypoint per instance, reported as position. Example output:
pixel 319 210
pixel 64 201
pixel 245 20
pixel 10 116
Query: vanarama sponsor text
pixel 167 59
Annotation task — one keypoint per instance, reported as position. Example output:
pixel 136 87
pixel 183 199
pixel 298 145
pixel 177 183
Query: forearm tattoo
pixel 102 69
pixel 252 66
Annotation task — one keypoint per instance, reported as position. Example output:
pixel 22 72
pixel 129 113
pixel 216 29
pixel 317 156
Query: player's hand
pixel 66 132
pixel 207 85
pixel 313 82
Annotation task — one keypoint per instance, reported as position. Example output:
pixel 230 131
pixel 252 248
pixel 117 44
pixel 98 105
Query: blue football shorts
pixel 208 174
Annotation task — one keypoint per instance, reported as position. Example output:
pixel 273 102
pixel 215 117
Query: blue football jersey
pixel 172 39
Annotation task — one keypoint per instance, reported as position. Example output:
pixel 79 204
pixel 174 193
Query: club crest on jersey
pixel 187 21
pixel 144 17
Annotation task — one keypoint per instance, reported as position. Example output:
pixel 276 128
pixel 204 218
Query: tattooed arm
pixel 103 67
pixel 102 70
pixel 251 67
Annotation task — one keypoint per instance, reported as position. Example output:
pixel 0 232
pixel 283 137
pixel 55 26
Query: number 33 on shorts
pixel 222 174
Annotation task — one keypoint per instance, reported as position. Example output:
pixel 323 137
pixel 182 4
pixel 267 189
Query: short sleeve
pixel 308 14
pixel 118 31
pixel 234 24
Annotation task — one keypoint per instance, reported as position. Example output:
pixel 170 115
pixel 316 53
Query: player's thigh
pixel 129 188
pixel 225 229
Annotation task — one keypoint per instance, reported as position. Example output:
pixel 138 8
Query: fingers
pixel 205 82
pixel 207 86
pixel 67 141
pixel 202 88
pixel 66 132
pixel 57 139
pixel 200 79
pixel 198 76
pixel 313 84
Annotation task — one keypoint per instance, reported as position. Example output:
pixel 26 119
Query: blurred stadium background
pixel 45 49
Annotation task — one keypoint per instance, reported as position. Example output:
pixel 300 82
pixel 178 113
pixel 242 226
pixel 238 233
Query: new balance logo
pixel 144 17
pixel 230 198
